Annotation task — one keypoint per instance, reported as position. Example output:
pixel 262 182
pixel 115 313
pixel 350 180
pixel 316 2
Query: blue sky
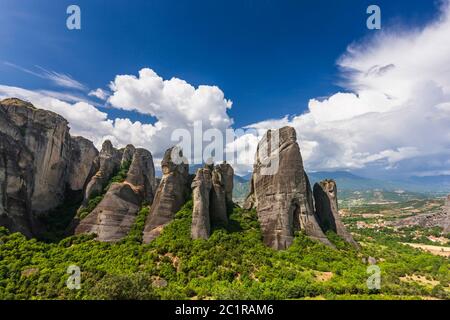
pixel 268 57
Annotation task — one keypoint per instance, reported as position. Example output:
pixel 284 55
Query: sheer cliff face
pixel 46 136
pixel 141 175
pixel 82 164
pixel 280 191
pixel 54 160
pixel 327 211
pixel 114 216
pixel 201 189
pixel 211 194
pixel 16 185
pixel 226 172
pixel 172 193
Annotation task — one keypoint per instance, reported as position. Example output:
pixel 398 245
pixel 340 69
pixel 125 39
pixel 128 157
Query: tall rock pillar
pixel 327 211
pixel 280 191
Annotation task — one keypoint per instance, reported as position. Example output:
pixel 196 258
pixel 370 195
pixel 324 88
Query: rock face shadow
pixel 327 210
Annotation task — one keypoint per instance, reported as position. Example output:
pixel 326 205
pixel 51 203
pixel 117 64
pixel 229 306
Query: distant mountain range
pixel 349 183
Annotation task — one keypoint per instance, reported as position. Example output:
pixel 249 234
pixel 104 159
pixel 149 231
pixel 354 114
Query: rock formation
pixel 327 210
pixel 212 198
pixel 141 175
pixel 127 155
pixel 280 191
pixel 201 189
pixel 82 163
pixel 112 219
pixel 172 193
pixel 16 185
pixel 40 163
pixel 46 136
pixel 108 162
pixel 227 174
pixel 221 194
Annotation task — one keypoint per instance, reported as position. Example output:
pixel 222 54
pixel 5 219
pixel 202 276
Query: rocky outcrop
pixel 16 185
pixel 46 136
pixel 280 191
pixel 41 163
pixel 172 193
pixel 82 163
pixel 221 193
pixel 108 162
pixel 327 210
pixel 127 155
pixel 141 175
pixel 112 219
pixel 201 189
pixel 227 176
pixel 212 199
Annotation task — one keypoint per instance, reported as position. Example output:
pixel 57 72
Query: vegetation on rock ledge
pixel 93 202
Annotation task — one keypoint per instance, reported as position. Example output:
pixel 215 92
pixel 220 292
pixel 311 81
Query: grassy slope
pixel 232 264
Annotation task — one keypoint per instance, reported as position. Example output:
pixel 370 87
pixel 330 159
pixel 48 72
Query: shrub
pixel 125 287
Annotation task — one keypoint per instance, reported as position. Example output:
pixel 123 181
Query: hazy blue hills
pixel 351 186
pixel 351 182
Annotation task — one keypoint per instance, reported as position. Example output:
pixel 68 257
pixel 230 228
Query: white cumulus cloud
pixel 174 103
pixel 395 112
pixel 99 94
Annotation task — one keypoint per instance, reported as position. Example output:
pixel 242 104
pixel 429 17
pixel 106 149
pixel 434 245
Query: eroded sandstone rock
pixel 212 199
pixel 172 193
pixel 108 162
pixel 221 193
pixel 327 211
pixel 41 164
pixel 112 219
pixel 46 136
pixel 127 155
pixel 16 186
pixel 201 191
pixel 82 163
pixel 280 191
pixel 227 173
pixel 141 174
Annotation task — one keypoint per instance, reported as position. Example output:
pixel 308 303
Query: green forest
pixel 232 264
